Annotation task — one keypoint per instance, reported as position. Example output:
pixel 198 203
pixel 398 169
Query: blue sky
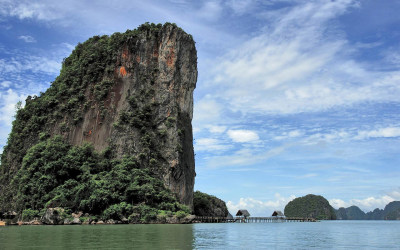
pixel 293 97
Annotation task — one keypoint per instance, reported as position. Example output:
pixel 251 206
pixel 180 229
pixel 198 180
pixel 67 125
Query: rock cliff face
pixel 154 77
pixel 129 93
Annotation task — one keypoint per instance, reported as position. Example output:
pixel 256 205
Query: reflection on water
pixel 327 234
pixel 97 237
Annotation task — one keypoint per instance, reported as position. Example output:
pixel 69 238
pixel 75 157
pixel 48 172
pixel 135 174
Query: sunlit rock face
pixel 138 103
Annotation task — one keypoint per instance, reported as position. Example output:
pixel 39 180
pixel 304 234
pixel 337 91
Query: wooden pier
pixel 211 219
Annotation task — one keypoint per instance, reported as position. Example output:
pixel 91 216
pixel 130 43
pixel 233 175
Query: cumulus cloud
pixel 259 207
pixel 242 135
pixel 367 204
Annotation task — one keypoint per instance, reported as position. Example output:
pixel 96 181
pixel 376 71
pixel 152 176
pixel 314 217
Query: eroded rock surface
pixel 138 101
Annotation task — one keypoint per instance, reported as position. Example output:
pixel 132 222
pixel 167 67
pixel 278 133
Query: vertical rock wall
pixel 154 75
pixel 139 103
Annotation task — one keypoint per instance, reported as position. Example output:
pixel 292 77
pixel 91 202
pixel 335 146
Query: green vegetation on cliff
pixel 56 174
pixel 209 205
pixel 40 167
pixel 310 206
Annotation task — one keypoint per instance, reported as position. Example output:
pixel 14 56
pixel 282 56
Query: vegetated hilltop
pixel 209 205
pixel 112 136
pixel 310 206
pixel 390 212
pixel 350 213
pixel 393 215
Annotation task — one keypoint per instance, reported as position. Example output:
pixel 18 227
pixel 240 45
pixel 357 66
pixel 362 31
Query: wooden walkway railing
pixel 211 219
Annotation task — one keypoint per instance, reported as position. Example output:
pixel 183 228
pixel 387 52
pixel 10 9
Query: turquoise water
pixel 326 234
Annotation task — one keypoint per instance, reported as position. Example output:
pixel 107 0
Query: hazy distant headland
pixel 390 212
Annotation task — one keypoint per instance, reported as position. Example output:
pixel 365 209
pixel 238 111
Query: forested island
pixel 390 212
pixel 111 139
pixel 310 206
pixel 317 207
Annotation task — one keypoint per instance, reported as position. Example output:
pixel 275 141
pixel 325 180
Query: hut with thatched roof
pixel 243 212
pixel 277 214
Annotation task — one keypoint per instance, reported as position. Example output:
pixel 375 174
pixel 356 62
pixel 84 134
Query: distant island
pixel 317 207
pixel 310 206
pixel 390 212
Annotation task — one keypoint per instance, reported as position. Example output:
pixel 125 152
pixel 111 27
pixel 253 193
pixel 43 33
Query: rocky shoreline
pixel 55 216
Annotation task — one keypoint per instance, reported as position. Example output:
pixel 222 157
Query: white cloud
pixel 27 39
pixel 289 134
pixel 210 144
pixel 22 63
pixel 258 207
pixel 382 132
pixel 338 203
pixel 5 84
pixel 301 63
pixel 28 10
pixel 216 129
pixel 8 100
pixel 395 194
pixel 244 157
pixel 257 154
pixel 392 57
pixel 206 111
pixel 367 204
pixel 242 135
pixel 351 134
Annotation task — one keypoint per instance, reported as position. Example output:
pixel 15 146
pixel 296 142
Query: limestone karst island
pixel 111 139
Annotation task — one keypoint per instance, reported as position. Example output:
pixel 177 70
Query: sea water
pixel 285 235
